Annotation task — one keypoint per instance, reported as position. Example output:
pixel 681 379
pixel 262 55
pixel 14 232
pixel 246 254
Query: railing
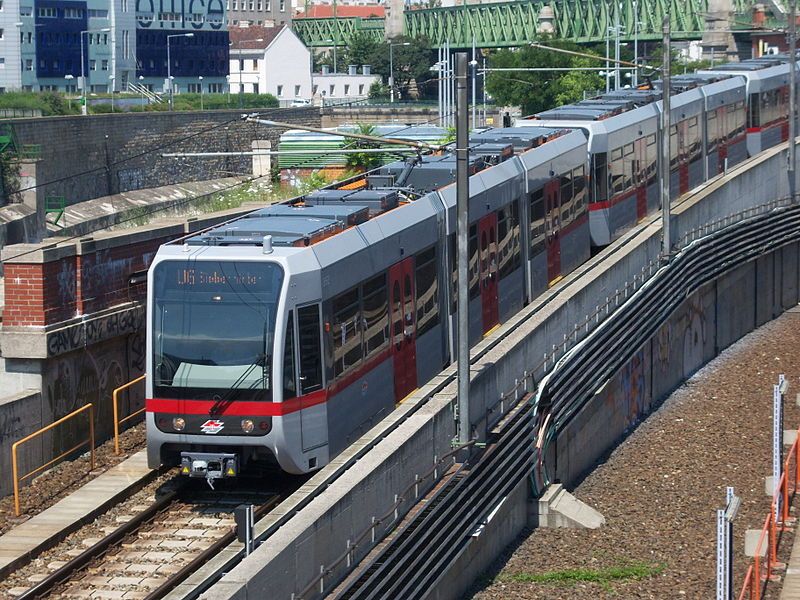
pixel 761 571
pixel 117 420
pixel 90 441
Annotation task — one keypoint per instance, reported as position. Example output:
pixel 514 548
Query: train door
pixel 683 157
pixel 551 229
pixel 722 137
pixel 639 181
pixel 488 263
pixel 404 327
pixel 309 336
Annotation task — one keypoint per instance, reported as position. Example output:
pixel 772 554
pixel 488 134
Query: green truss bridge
pixel 515 23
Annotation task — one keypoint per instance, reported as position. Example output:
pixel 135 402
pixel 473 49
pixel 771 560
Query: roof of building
pixel 253 37
pixel 321 11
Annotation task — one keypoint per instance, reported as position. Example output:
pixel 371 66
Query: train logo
pixel 212 426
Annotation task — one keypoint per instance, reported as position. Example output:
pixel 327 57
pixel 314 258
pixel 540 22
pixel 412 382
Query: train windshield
pixel 213 329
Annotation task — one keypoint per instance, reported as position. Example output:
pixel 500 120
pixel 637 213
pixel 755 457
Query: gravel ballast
pixel 660 488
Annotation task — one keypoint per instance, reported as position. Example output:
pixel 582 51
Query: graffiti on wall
pixel 628 393
pixel 93 331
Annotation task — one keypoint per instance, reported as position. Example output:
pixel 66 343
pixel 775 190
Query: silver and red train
pixel 284 335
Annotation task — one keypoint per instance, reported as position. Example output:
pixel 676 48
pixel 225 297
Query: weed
pixel 602 576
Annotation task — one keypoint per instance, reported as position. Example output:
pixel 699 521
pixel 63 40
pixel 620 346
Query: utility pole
pixel 636 43
pixel 665 169
pixel 617 85
pixel 608 53
pixel 792 168
pixel 462 208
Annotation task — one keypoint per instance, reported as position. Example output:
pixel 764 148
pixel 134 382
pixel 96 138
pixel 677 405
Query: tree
pixel 363 161
pixel 535 91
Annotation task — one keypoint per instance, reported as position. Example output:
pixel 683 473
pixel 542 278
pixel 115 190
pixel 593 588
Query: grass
pixel 603 576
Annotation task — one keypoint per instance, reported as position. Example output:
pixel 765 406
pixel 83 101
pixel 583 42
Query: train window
pixel 474 275
pixel 652 159
pixel 600 177
pixel 673 146
pixel 579 191
pixel 375 314
pixel 289 383
pixel 753 118
pixel 427 290
pixel 617 171
pixel 508 239
pixel 537 222
pixel 308 329
pixel 711 130
pixel 346 332
pixel 566 199
pixel 693 141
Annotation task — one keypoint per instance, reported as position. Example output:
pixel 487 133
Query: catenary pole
pixel 792 168
pixel 664 171
pixel 462 207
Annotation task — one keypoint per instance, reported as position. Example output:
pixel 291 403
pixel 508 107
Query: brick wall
pixel 50 284
pixel 56 281
pixel 123 150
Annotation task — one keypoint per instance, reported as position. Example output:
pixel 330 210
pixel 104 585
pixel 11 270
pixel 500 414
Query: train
pixel 282 336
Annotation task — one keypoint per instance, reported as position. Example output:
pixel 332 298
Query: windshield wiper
pixel 220 405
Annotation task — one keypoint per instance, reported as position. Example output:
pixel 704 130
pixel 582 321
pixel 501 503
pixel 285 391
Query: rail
pixel 760 572
pixel 391 515
pixel 15 468
pixel 594 323
pixel 117 420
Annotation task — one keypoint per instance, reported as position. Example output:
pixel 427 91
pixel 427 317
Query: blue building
pixel 50 44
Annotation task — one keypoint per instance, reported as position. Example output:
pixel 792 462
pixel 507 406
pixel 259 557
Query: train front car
pixel 218 395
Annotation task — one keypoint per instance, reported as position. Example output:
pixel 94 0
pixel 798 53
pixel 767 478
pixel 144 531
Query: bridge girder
pixel 501 24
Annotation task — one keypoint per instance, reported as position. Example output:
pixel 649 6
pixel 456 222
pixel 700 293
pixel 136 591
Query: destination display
pixel 215 276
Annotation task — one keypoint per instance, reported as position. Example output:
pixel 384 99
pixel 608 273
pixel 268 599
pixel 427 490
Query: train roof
pixel 328 212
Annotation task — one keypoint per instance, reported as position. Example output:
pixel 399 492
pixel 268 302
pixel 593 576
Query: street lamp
pixel 228 79
pixel 169 63
pixel 84 109
pixel 391 68
pixel 111 83
pixel 68 79
pixel 141 89
pixel 201 91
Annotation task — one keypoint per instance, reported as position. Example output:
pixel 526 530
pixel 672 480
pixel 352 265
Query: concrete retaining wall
pixel 706 323
pixel 101 155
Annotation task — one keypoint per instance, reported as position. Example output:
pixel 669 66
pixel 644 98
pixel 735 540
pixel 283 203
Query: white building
pixel 343 87
pixel 269 60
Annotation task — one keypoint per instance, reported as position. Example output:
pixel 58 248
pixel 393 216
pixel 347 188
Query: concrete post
pixel 262 163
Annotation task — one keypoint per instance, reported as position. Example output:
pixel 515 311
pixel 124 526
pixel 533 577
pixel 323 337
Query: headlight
pixel 178 424
pixel 247 426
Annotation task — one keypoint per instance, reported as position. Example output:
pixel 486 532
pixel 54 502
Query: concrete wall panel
pixel 736 304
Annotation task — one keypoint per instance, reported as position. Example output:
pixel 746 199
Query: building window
pixel 252 5
pixel 235 5
pixel 25 11
pixel 269 5
pixel 227 5
pixel 297 90
pixel 255 64
pixel 2 63
pixel 73 13
pixel 29 64
pixel 126 43
pixel 1 10
pixel 47 12
pixel 346 89
pixel 314 90
pixel 280 91
pixel 93 65
pixel 2 34
pixel 98 13
pixel 105 39
pixel 105 65
pixel 30 37
pixel 282 5
pixel 255 88
pixel 333 90
pixel 260 5
pixel 124 5
pixel 55 65
pixel 360 89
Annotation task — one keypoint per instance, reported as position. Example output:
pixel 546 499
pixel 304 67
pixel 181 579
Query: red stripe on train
pixel 236 408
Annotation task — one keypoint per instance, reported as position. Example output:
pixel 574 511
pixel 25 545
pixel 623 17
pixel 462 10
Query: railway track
pixel 156 549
